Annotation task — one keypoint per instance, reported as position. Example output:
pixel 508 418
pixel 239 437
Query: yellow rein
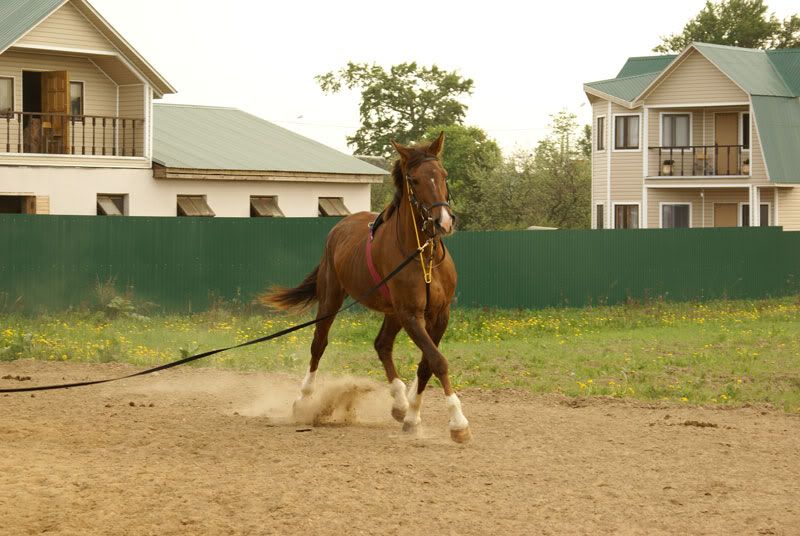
pixel 427 274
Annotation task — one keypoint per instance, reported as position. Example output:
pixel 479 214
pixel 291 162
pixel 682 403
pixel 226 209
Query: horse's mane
pixel 417 153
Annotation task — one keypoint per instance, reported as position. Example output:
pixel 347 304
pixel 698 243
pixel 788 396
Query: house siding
pixel 789 208
pixel 626 166
pixel 696 80
pixel 132 106
pixel 67 28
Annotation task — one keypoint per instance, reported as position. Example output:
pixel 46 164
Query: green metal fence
pixel 183 264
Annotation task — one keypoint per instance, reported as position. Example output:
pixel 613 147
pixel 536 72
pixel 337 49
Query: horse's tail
pixel 298 298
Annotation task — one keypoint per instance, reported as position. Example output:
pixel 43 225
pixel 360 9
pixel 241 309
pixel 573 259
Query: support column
pixel 755 208
pixel 608 212
pixel 645 153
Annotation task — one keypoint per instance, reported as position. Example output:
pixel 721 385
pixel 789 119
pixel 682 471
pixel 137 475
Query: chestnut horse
pixel 417 298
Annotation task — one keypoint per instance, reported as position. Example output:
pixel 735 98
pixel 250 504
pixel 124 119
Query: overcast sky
pixel 528 60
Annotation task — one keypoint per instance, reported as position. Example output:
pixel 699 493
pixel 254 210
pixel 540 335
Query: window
pixel 599 218
pixel 675 129
pixel 745 130
pixel 194 205
pixel 110 205
pixel 601 133
pixel 6 94
pixel 76 98
pixel 745 214
pixel 264 207
pixel 626 216
pixel 626 132
pixel 332 206
pixel 674 216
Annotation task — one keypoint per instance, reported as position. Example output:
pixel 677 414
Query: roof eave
pixel 607 96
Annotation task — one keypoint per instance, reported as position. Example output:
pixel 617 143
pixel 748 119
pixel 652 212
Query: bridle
pixel 426 211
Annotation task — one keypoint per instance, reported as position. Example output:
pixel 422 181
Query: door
pixel 726 132
pixel 55 110
pixel 725 214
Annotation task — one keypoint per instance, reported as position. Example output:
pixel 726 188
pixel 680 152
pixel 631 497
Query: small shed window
pixel 194 205
pixel 265 207
pixel 110 205
pixel 6 94
pixel 332 206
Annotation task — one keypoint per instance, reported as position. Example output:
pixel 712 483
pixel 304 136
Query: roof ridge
pixel 622 78
pixel 185 105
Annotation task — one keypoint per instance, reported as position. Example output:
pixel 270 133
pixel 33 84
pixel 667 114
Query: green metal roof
pixel 751 69
pixel 645 64
pixel 778 124
pixel 787 62
pixel 205 137
pixel 627 88
pixel 19 16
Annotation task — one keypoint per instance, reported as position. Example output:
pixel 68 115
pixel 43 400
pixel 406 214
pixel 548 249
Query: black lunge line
pixel 191 358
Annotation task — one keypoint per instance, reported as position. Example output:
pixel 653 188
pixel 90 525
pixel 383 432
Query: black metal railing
pixel 52 133
pixel 701 160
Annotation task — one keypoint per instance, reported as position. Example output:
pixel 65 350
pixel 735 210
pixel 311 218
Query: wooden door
pixel 726 132
pixel 55 111
pixel 725 215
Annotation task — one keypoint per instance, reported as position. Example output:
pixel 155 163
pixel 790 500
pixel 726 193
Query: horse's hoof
pixel 399 414
pixel 410 427
pixel 461 436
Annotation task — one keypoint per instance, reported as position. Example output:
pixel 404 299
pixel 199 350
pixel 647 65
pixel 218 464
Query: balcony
pixel 63 134
pixel 701 161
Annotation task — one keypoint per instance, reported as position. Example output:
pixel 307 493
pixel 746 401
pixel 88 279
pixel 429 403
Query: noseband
pixel 426 211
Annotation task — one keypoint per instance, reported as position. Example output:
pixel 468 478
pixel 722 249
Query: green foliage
pixel 741 23
pixel 399 104
pixel 470 157
pixel 20 345
pixel 549 188
pixel 114 305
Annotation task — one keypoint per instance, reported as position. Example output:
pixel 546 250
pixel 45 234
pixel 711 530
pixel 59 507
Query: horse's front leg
pixel 384 343
pixel 433 362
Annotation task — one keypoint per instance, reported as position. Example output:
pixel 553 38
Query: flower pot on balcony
pixel 746 167
pixel 666 167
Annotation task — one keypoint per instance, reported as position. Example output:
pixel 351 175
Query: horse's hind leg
pixel 384 343
pixel 331 297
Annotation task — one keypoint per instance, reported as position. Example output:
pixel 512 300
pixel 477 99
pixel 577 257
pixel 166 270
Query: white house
pixel 80 134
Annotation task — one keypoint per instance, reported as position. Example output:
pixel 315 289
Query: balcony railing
pixel 701 160
pixel 89 135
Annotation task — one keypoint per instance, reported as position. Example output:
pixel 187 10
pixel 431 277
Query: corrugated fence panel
pixel 54 262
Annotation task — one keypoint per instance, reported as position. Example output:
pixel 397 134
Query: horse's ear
pixel 438 145
pixel 401 150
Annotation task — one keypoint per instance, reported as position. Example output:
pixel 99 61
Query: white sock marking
pixel 414 405
pixel 307 387
pixel 457 419
pixel 398 390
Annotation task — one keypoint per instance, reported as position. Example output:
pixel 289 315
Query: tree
pixel 741 23
pixel 470 157
pixel 550 187
pixel 401 104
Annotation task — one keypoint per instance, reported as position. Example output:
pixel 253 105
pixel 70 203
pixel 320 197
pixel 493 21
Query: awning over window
pixel 193 205
pixel 332 206
pixel 107 207
pixel 265 207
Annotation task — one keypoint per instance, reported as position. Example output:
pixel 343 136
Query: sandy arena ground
pixel 197 451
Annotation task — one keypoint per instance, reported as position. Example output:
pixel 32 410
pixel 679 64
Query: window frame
pixel 280 214
pixel 123 201
pixel 83 97
pixel 599 223
pixel 13 80
pixel 739 216
pixel 614 147
pixel 749 131
pixel 661 206
pixel 661 118
pixel 638 206
pixel 600 136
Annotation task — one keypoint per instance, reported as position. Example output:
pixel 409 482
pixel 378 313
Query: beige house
pixel 697 139
pixel 79 134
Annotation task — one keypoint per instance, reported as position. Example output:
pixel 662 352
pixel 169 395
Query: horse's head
pixel 425 180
